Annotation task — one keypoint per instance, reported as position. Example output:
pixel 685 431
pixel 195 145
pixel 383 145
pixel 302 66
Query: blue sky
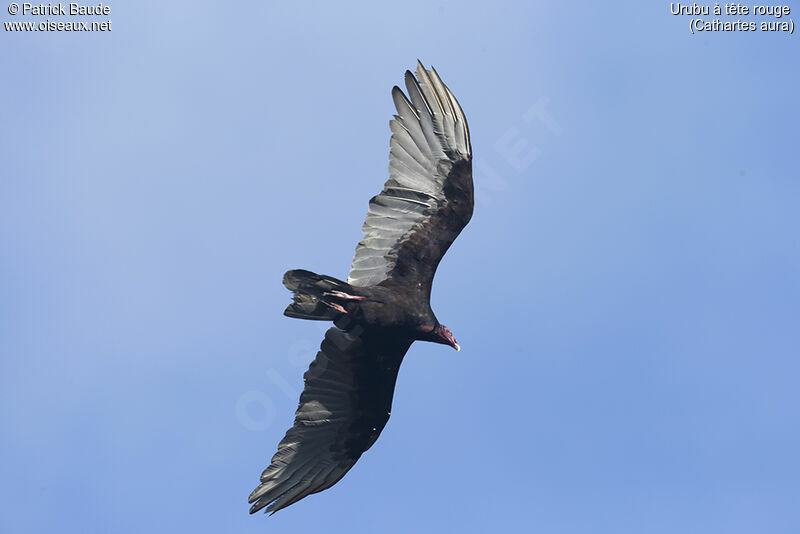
pixel 626 295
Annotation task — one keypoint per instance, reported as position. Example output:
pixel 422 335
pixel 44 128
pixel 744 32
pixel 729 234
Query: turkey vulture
pixel 385 304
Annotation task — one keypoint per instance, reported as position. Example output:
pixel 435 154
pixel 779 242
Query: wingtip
pixel 433 70
pixel 259 504
pixel 421 69
pixel 255 508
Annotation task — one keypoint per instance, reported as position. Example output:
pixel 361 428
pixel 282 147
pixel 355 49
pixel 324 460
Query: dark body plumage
pixel 384 306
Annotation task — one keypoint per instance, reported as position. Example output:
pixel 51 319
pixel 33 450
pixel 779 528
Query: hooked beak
pixel 445 337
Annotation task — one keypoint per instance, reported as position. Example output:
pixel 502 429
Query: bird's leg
pixel 343 296
pixel 338 307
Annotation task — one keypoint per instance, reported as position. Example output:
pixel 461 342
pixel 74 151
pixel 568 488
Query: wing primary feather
pixel 448 112
pixel 429 137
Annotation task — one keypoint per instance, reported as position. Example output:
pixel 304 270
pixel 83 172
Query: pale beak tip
pixel 458 349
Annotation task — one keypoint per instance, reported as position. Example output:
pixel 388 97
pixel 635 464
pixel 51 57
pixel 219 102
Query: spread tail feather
pixel 317 297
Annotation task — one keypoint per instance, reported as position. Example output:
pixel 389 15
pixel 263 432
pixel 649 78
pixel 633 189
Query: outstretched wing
pixel 428 198
pixel 343 408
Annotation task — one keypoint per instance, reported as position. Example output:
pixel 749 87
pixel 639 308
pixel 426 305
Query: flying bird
pixel 385 304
